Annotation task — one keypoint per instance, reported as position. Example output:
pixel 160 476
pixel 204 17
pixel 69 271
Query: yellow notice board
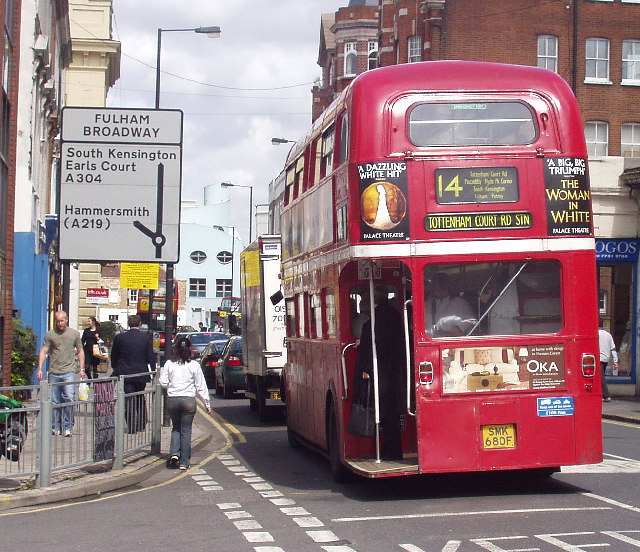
pixel 139 275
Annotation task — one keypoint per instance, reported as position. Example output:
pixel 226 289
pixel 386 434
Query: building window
pixel 630 140
pixel 597 60
pixel 224 257
pixel 372 48
pixel 198 257
pixel 597 135
pixel 548 52
pixel 414 52
pixel 350 59
pixel 197 287
pixel 223 288
pixel 133 296
pixel 631 61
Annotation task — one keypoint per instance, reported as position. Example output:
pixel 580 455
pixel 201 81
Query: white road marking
pixel 245 524
pixel 229 505
pixel 238 514
pixel 257 536
pixel 261 486
pixel 338 548
pixel 612 464
pixel 307 522
pixel 295 511
pixel 612 502
pixel 213 488
pixel 268 549
pixel 283 501
pixel 322 536
pixel 462 514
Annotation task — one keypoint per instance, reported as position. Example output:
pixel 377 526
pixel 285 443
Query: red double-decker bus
pixel 459 190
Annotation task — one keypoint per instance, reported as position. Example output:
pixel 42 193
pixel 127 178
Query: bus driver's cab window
pixel 504 298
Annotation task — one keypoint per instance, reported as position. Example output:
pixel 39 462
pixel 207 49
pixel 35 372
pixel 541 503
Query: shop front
pixel 617 261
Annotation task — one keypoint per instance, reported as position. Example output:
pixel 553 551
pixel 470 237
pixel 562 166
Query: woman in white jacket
pixel 183 379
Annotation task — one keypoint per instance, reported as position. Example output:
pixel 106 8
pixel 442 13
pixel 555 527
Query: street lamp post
pixel 233 248
pixel 278 141
pixel 212 32
pixel 230 185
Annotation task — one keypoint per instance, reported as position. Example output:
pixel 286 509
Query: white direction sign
pixel 120 177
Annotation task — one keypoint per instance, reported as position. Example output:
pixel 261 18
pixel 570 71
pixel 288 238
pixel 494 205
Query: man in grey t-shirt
pixel 62 344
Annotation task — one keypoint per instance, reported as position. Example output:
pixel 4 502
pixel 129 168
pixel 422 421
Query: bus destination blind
pixel 477 185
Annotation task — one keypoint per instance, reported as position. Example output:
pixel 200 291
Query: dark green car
pixel 229 369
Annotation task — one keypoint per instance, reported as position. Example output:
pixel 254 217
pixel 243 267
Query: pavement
pixel 92 480
pixel 84 482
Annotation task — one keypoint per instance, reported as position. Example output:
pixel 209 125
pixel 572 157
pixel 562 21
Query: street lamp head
pixel 278 141
pixel 211 32
pixel 226 184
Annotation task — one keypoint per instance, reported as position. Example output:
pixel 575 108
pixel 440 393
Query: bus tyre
pixel 339 472
pixel 292 438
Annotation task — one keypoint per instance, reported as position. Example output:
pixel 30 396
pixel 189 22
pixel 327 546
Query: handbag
pixel 362 421
pixel 100 351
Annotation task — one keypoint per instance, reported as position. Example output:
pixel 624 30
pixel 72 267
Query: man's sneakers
pixel 67 433
pixel 172 463
pixel 184 467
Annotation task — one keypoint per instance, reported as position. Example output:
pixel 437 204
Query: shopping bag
pixel 100 351
pixel 362 421
pixel 83 392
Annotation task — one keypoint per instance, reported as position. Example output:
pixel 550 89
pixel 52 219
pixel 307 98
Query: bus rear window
pixel 471 124
pixel 502 298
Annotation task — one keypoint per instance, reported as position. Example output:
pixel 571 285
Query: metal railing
pixel 107 427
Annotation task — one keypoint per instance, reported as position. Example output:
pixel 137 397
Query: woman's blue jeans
pixel 182 410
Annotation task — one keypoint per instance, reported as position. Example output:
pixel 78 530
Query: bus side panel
pixel 294 381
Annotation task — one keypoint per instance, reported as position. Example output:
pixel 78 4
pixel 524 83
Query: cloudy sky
pixel 237 91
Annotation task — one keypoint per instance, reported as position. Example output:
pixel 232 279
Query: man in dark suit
pixel 132 353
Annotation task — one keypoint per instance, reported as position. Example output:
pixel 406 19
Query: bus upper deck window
pixel 471 124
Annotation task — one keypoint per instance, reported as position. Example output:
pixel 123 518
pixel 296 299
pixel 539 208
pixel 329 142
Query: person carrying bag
pixel 362 421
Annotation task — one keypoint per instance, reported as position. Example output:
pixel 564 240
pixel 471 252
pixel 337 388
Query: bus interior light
pixel 588 365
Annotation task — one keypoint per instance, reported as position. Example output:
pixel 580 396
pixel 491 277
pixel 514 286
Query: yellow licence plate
pixel 275 395
pixel 499 436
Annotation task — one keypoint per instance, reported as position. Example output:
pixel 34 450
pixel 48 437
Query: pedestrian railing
pixel 105 428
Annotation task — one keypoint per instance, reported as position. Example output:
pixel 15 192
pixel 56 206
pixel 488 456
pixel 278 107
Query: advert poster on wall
pixel 568 197
pixel 384 205
pixel 471 370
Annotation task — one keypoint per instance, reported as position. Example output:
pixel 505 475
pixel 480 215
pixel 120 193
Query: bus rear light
pixel 588 365
pixel 425 377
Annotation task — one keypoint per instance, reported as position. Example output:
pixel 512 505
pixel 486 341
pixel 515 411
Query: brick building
pixel 593 44
pixel 10 45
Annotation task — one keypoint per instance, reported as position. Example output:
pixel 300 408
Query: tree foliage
pixel 24 355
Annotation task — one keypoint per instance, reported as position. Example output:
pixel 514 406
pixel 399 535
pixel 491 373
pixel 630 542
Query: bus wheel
pixel 339 473
pixel 292 438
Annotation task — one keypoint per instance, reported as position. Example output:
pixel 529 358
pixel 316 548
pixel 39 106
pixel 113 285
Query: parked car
pixel 199 340
pixel 229 371
pixel 209 359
